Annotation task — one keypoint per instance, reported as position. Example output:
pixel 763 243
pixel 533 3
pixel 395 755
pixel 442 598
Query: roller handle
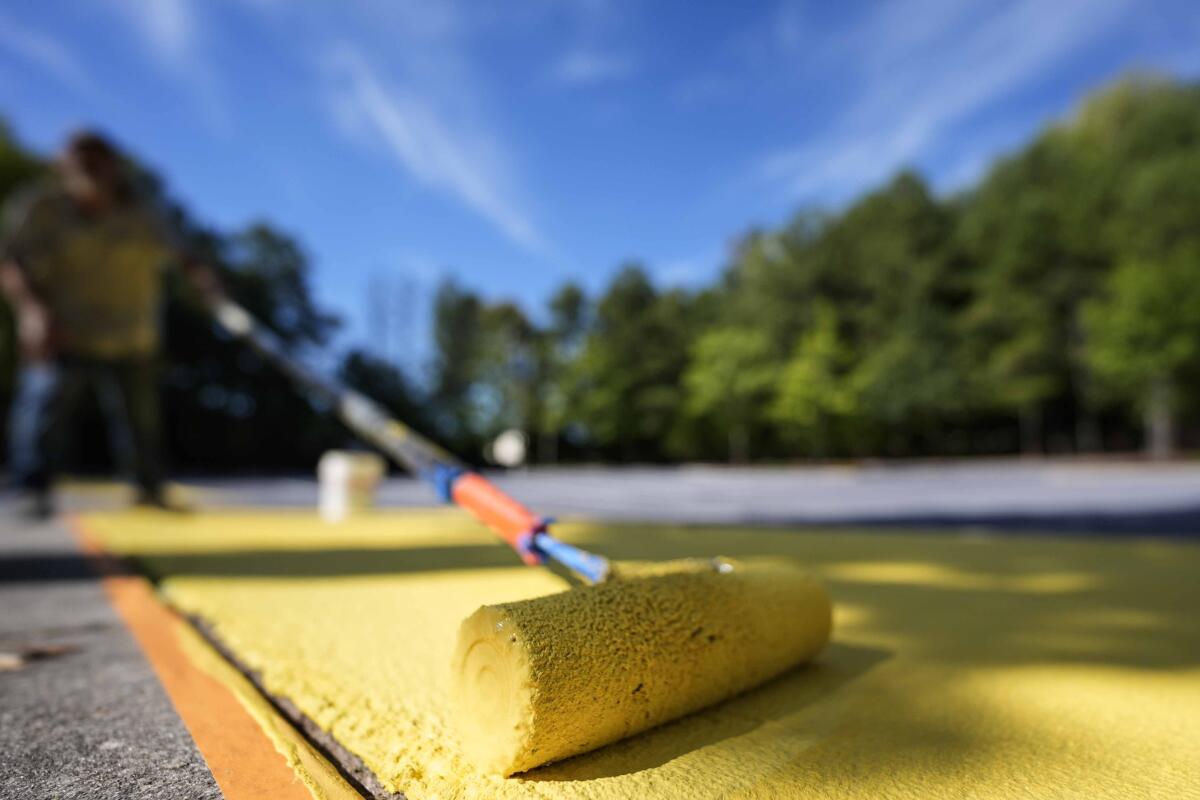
pixel 524 531
pixel 507 518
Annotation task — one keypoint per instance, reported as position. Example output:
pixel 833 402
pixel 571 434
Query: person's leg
pixel 129 395
pixel 36 385
pixel 110 391
pixel 47 395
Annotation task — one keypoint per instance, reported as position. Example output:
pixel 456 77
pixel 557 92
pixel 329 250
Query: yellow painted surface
pixel 321 778
pixel 540 680
pixel 960 667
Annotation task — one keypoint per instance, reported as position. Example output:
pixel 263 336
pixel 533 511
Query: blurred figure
pixel 81 259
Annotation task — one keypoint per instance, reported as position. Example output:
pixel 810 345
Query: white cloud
pixel 171 32
pixel 167 26
pixel 924 67
pixel 461 160
pixel 44 52
pixel 587 67
pixel 407 86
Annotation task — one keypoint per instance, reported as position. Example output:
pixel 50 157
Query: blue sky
pixel 517 145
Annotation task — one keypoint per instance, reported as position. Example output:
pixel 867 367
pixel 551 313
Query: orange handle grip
pixel 512 521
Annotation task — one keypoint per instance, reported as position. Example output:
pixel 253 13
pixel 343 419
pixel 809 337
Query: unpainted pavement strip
pixel 82 716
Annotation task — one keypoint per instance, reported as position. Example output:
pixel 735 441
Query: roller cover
pixel 540 680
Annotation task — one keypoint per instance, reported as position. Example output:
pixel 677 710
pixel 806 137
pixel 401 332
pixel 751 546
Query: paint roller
pixel 635 646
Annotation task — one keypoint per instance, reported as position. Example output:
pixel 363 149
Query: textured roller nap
pixel 543 679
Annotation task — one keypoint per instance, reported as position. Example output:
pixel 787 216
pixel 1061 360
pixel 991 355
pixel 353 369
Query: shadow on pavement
pixel 55 566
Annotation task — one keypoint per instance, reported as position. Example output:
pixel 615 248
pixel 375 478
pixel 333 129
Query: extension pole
pixel 453 481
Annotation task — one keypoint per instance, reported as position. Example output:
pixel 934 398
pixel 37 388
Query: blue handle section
pixel 528 551
pixel 591 566
pixel 443 476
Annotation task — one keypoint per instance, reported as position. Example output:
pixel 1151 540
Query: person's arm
pixel 34 322
pixel 203 279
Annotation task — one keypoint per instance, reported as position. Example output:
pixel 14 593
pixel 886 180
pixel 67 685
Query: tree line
pixel 1052 307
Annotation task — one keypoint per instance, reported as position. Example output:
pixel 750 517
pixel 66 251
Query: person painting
pixel 81 261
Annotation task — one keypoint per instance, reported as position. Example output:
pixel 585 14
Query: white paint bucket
pixel 347 483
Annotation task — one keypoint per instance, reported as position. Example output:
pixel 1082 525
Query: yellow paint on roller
pixel 540 680
pixel 970 667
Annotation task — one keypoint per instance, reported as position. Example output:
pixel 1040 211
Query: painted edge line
pixel 242 758
pixel 356 774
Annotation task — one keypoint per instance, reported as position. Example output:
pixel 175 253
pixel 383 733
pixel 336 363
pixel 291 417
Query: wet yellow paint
pixel 320 777
pixel 970 667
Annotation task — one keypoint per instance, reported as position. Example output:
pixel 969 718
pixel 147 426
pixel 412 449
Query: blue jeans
pixel 48 396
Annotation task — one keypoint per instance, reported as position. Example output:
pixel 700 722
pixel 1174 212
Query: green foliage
pixel 269 272
pixel 568 317
pixel 628 394
pixel 1026 280
pixel 1146 325
pixel 458 340
pixel 17 165
pixel 732 374
pixel 494 370
pixel 913 372
pixel 814 393
pixel 513 366
pixel 226 408
pixel 569 310
pixel 387 385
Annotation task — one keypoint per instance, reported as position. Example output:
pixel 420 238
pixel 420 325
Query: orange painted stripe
pixel 242 759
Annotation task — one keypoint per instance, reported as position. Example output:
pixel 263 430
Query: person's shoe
pixel 160 501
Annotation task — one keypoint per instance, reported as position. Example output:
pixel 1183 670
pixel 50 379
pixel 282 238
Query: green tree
pixel 729 381
pixel 512 371
pixel 1145 338
pixel 225 407
pixel 629 371
pixel 910 382
pixel 1145 330
pixel 387 385
pixel 569 320
pixel 1026 291
pixel 18 165
pixel 271 274
pixel 815 393
pixel 900 293
pixel 569 312
pixel 458 343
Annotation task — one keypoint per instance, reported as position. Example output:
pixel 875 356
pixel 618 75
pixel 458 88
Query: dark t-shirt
pixel 99 275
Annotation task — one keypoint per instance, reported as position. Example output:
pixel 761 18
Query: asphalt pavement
pixel 88 718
